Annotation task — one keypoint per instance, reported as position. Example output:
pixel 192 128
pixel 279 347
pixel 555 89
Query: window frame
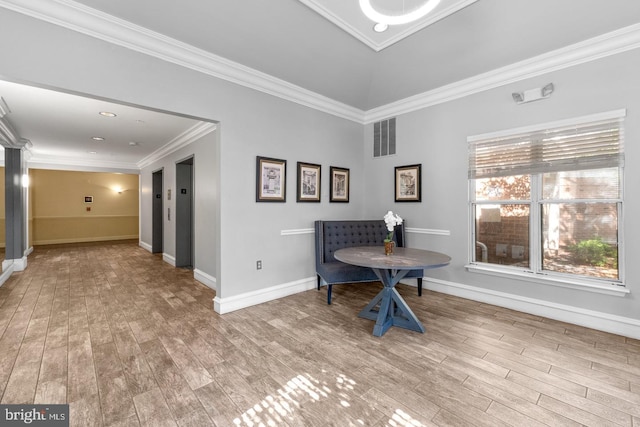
pixel 535 271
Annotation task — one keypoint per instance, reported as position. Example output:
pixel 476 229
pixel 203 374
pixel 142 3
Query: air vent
pixel 384 138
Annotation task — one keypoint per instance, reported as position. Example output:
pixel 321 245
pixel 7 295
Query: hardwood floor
pixel 128 340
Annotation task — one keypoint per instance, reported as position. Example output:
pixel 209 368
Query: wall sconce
pixel 117 189
pixel 533 94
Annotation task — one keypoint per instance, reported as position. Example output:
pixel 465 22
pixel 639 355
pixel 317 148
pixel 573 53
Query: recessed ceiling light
pixel 133 143
pixel 380 28
pixel 107 114
pixel 92 152
pixel 97 138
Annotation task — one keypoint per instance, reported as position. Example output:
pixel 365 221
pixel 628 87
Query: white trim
pixel 20 264
pixel 294 232
pixel 85 20
pixel 94 23
pixel 606 322
pixel 428 231
pixel 190 135
pixel 84 164
pixel 387 41
pixel 169 259
pixel 205 279
pixel 28 251
pixel 608 115
pixel 618 41
pixel 145 245
pixel 7 271
pixel 571 282
pixel 229 304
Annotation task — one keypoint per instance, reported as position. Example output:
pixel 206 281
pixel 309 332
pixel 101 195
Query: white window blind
pixel 587 145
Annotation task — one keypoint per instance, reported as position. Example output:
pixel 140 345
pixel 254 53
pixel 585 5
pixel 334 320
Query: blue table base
pixel 388 308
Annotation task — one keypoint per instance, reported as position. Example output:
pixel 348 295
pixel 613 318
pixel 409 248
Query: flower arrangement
pixel 391 220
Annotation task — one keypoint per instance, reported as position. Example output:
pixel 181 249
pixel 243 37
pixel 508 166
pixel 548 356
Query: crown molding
pixel 622 40
pixel 77 17
pixel 393 37
pixel 75 164
pixel 187 137
pixel 91 22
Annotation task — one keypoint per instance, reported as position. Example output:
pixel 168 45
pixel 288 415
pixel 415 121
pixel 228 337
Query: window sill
pixel 552 280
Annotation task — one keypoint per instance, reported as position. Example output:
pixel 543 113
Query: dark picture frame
pixel 309 180
pixel 271 179
pixel 408 183
pixel 340 185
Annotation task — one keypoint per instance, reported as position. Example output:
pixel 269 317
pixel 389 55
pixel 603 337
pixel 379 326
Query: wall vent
pixel 384 137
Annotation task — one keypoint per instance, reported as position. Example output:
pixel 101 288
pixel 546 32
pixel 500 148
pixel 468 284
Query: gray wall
pixel 251 124
pixel 206 179
pixel 235 231
pixel 436 137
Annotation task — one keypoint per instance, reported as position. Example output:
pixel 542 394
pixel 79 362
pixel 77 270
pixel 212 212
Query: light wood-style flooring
pixel 128 340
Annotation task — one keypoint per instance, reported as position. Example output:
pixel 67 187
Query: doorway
pixel 184 214
pixel 157 239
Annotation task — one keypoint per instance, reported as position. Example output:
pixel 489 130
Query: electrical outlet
pixel 259 265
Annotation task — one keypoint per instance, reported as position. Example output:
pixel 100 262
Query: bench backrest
pixel 334 235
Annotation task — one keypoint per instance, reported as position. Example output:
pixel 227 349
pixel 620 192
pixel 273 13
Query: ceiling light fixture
pixel 97 138
pixel 380 28
pixel 107 114
pixel 398 19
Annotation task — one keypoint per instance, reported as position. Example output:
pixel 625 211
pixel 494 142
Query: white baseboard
pixel 28 251
pixel 20 264
pixel 227 305
pixel 169 259
pixel 205 279
pixel 7 271
pixel 606 322
pixel 145 245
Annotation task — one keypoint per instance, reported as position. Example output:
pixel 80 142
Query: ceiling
pixel 311 44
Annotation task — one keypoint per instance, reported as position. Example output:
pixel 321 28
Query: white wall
pixel 436 137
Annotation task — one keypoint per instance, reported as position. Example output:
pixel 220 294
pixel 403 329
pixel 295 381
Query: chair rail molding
pixel 295 232
pixel 428 231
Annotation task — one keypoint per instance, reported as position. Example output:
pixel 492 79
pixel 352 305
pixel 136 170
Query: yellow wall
pixel 58 212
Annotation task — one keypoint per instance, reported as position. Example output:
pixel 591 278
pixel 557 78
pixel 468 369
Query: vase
pixel 388 247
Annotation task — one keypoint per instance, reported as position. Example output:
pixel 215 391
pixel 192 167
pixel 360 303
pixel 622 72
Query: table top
pixel 401 259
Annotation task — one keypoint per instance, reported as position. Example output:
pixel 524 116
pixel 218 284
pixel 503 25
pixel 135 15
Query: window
pixel 547 200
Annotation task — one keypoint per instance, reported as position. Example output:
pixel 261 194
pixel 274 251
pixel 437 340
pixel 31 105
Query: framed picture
pixel 271 180
pixel 88 199
pixel 308 182
pixel 339 184
pixel 408 183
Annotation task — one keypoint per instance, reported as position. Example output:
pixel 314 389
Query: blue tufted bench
pixel 334 235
